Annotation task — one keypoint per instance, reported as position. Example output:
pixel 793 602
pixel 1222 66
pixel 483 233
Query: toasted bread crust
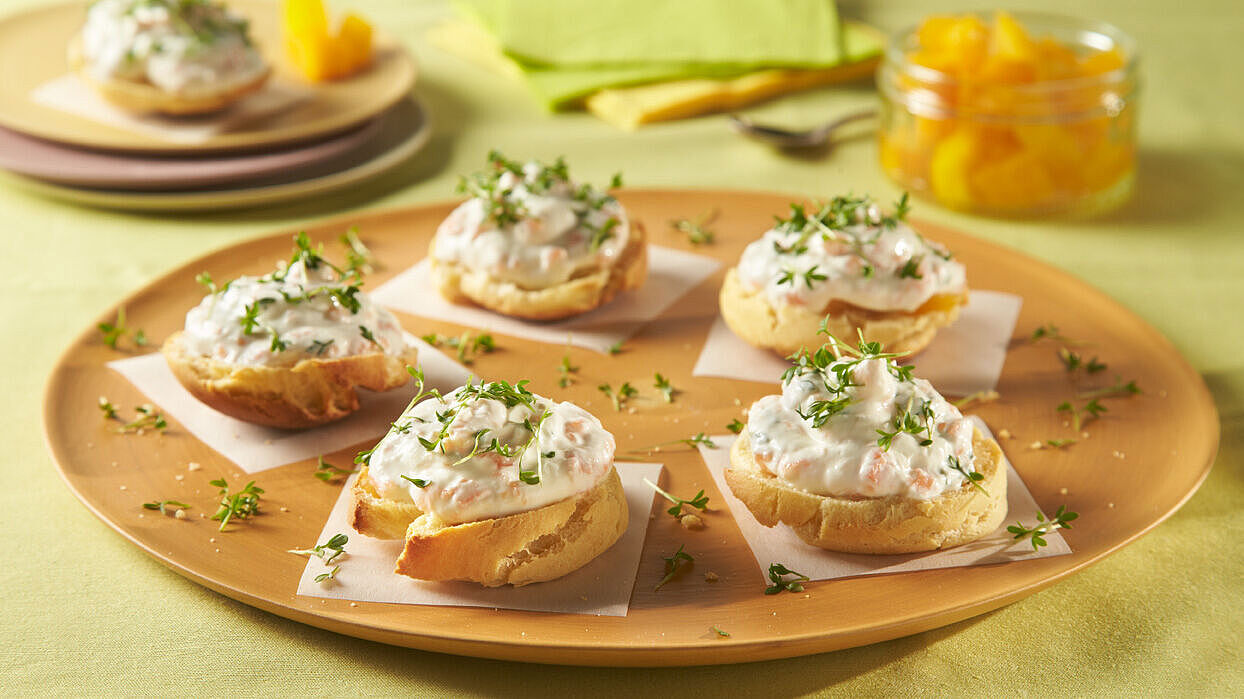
pixel 308 393
pixel 519 549
pixel 874 525
pixel 376 516
pixel 580 294
pixel 145 98
pixel 787 329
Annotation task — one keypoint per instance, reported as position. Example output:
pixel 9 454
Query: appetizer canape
pixel 494 484
pixel 850 267
pixel 289 349
pixel 857 455
pixel 168 56
pixel 532 243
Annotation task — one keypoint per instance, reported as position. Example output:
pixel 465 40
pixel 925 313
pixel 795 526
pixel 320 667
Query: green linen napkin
pixel 568 49
pixel 755 33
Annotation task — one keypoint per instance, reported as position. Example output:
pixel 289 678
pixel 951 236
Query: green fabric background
pixel 86 613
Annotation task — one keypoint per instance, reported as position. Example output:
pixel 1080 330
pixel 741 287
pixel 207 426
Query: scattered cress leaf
pixel 777 576
pixel 1036 533
pixel 674 564
pixel 698 501
pixel 163 505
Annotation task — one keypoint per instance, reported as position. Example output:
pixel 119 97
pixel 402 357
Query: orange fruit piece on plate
pixel 319 53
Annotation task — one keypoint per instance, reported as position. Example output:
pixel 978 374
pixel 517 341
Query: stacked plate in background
pixel 327 136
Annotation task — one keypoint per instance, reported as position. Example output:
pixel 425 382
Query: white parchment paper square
pixel 982 332
pixel 671 274
pixel 68 93
pixel 257 448
pixel 601 588
pixel 781 545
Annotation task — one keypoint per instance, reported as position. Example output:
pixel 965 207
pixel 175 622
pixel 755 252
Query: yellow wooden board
pixel 1144 459
pixel 37 39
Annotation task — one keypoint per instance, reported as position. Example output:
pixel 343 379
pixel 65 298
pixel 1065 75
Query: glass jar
pixel 1001 139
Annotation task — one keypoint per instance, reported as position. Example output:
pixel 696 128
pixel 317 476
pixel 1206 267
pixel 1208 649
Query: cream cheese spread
pixel 531 225
pixel 185 47
pixel 848 251
pixel 861 426
pixel 308 310
pixel 489 450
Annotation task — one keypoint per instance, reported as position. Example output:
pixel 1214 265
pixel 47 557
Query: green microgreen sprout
pixel 1081 416
pixel 736 426
pixel 113 332
pixel 1049 331
pixel 719 632
pixel 616 348
pixel 972 477
pixel 972 399
pixel 567 372
pixel 1118 389
pixel 468 345
pixel 777 576
pixel 621 396
pixel 697 231
pixel 665 387
pixel 164 505
pixel 675 564
pixel 602 234
pixel 417 482
pixel 148 418
pixel 205 279
pixel 832 366
pixel 327 472
pixel 359 259
pixel 911 269
pixel 108 409
pixel 327 551
pixel 1037 532
pixel 698 501
pixel 329 575
pixel 239 505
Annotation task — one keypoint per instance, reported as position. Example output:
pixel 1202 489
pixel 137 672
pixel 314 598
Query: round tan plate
pixel 1168 437
pixel 404 131
pixel 36 39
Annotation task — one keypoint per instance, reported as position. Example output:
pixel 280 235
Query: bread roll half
pixel 145 98
pixel 376 516
pixel 885 525
pixel 786 329
pixel 579 294
pixel 306 393
pixel 527 547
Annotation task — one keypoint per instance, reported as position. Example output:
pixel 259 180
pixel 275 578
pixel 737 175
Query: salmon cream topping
pixel 308 310
pixel 848 251
pixel 186 47
pixel 489 450
pixel 861 426
pixel 531 225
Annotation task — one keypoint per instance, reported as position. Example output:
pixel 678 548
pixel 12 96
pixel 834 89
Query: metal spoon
pixel 783 138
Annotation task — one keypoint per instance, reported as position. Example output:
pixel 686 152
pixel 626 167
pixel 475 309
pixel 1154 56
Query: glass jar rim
pixel 898 46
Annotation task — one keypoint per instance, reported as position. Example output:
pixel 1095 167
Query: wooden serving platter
pixel 1144 459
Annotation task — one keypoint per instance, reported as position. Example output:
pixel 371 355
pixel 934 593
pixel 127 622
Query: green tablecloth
pixel 85 612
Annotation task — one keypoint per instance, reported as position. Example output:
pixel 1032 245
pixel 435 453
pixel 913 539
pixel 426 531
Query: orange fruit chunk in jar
pixel 318 53
pixel 991 117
